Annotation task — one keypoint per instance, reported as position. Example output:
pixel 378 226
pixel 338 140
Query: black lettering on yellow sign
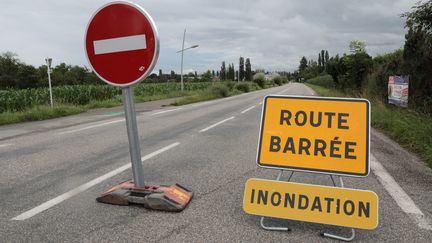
pixel 325 135
pixel 315 119
pixel 304 146
pixel 303 202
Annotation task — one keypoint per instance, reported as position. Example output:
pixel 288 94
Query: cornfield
pixel 19 100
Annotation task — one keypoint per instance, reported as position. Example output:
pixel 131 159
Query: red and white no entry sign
pixel 122 43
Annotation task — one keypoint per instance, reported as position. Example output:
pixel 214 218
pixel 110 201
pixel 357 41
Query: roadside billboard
pixel 398 90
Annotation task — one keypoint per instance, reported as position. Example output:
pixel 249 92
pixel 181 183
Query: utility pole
pixel 48 61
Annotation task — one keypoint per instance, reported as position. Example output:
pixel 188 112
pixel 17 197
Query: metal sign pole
pixel 132 131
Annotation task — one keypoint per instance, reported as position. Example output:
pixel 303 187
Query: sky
pixel 274 34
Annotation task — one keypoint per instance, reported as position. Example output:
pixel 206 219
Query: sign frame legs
pixel 275 228
pixel 338 237
pixel 323 234
pixel 132 132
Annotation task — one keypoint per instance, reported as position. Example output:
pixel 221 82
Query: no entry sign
pixel 327 135
pixel 121 43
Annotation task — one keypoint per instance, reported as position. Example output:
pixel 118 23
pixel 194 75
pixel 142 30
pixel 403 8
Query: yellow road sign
pixel 326 135
pixel 311 203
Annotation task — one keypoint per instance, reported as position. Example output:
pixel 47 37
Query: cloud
pixel 274 34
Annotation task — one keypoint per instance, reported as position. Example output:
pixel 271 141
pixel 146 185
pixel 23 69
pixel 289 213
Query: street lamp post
pixel 48 61
pixel 182 51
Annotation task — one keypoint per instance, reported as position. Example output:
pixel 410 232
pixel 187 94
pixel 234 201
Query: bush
pixel 259 79
pixel 322 80
pixel 278 80
pixel 244 87
pixel 220 90
pixel 230 84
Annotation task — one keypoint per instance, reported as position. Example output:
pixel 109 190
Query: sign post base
pixel 172 198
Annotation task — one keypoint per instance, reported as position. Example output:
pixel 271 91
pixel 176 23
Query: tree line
pixel 359 72
pixel 243 74
pixel 15 74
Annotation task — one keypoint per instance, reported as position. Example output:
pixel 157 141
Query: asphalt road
pixel 44 160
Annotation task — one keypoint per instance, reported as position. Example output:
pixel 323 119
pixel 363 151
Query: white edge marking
pixel 399 195
pixel 165 111
pixel 46 205
pixel 127 43
pixel 248 109
pixel 5 145
pixel 92 126
pixel 216 124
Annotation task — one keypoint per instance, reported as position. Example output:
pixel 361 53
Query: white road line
pixel 248 109
pixel 260 103
pixel 5 145
pixel 126 43
pixel 46 205
pixel 283 91
pixel 216 124
pixel 165 111
pixel 399 195
pixel 92 126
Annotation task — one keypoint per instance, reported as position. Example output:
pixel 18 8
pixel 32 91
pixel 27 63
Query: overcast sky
pixel 275 34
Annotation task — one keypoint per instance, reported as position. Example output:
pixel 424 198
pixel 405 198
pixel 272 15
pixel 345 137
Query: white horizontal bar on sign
pixel 127 43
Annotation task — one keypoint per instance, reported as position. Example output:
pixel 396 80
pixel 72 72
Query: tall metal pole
pixel 182 51
pixel 132 131
pixel 48 62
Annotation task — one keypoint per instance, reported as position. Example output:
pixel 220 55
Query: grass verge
pixel 410 129
pixel 39 113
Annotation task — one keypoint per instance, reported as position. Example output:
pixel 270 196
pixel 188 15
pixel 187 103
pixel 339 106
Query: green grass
pixel 217 91
pixel 410 129
pixel 39 113
pixel 79 99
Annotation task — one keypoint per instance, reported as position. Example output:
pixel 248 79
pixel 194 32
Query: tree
pixel 231 72
pixel 248 71
pixel 207 76
pixel 322 57
pixel 417 55
pixel 223 72
pixel 9 65
pixel 357 46
pixel 213 73
pixel 160 73
pixel 319 59
pixel 326 58
pixel 241 69
pixel 303 64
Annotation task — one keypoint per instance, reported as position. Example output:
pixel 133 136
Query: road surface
pixel 52 171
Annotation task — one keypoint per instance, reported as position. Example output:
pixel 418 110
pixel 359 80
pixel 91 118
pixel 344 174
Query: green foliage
pixel 357 46
pixel 383 67
pixel 230 84
pixel 322 80
pixel 259 79
pixel 278 80
pixel 241 69
pixel 248 71
pixel 39 113
pixel 417 56
pixel 303 64
pixel 243 87
pixel 357 67
pixel 219 90
pixel 223 71
pixel 20 100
